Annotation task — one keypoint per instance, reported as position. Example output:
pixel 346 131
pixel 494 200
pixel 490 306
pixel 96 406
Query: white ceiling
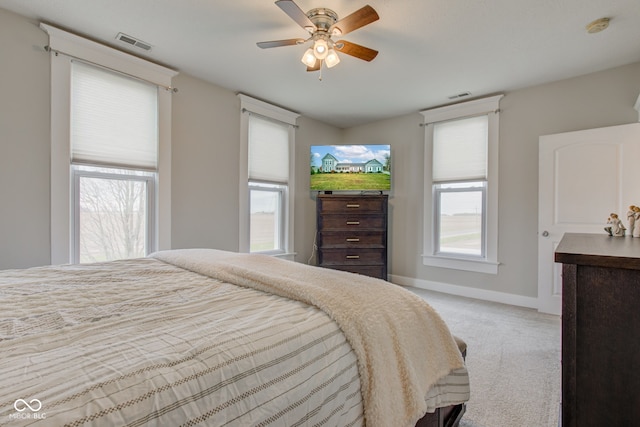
pixel 429 49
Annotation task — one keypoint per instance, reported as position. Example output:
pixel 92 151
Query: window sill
pixel 478 266
pixel 289 256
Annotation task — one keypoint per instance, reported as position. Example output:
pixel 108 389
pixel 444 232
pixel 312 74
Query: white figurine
pixel 636 230
pixel 631 217
pixel 614 226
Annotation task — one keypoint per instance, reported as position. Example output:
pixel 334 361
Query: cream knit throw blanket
pixel 402 345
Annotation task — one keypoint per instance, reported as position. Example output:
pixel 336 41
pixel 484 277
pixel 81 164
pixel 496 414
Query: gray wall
pixel 205 158
pixel 24 143
pixel 310 132
pixel 204 166
pixel 590 101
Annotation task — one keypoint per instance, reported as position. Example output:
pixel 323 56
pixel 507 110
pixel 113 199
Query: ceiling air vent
pixel 460 95
pixel 133 41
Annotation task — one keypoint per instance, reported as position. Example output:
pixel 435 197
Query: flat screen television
pixel 350 168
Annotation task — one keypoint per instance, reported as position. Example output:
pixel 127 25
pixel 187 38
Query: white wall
pixel 205 136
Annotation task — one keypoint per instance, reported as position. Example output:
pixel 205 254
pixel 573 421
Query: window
pixel 461 178
pixel 113 122
pixel 110 152
pixel 268 184
pixel 266 209
pixel 113 213
pixel 459 216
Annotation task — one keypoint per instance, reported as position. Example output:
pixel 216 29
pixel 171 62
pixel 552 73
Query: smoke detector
pixel 132 41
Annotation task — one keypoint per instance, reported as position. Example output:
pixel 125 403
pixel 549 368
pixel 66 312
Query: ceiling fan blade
pixel 316 66
pixel 278 43
pixel 357 19
pixel 356 50
pixel 291 8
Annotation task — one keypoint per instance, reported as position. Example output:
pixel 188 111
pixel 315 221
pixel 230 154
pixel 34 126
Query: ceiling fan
pixel 322 24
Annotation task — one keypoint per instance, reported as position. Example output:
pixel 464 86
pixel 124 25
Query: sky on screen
pixel 350 153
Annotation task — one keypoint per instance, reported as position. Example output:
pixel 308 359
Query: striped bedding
pixel 145 342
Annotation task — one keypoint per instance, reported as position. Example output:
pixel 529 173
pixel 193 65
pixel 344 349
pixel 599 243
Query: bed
pixel 202 337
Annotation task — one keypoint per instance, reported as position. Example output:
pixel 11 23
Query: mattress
pixel 145 342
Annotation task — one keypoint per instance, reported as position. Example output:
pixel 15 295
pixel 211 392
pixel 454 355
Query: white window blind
pixel 460 149
pixel 268 150
pixel 114 119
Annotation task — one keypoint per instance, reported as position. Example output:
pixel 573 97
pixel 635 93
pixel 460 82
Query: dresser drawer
pixel 352 239
pixel 352 222
pixel 357 205
pixel 356 256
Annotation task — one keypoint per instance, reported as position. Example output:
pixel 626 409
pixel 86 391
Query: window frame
pixel 488 261
pixel 149 178
pixel 65 47
pixel 249 105
pixel 438 190
pixel 281 190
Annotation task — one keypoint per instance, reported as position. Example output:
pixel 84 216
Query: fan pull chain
pixel 320 76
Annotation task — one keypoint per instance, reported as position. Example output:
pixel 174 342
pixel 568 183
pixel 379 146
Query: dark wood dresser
pixel 600 330
pixel 352 233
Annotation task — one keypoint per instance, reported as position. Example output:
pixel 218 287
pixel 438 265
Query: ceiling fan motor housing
pixel 322 18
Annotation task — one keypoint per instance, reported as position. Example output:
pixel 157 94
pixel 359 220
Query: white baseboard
pixel 465 291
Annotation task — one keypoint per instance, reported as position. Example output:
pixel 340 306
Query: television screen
pixel 351 167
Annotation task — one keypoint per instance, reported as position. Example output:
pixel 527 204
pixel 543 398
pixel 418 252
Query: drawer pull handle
pixel 353 205
pixel 353 256
pixel 352 239
pixel 353 222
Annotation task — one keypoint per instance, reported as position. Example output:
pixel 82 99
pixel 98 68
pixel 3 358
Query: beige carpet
pixel 513 361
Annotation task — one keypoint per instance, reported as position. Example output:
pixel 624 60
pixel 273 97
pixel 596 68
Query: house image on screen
pixel 331 164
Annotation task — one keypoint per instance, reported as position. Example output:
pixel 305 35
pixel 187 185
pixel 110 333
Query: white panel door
pixel 583 177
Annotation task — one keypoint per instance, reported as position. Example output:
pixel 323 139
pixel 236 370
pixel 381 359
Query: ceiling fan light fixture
pixel 332 58
pixel 323 24
pixel 309 59
pixel 320 49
